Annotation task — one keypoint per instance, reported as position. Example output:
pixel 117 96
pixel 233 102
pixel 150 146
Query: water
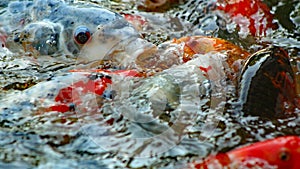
pixel 109 138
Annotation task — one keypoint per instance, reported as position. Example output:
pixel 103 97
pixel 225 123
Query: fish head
pixel 281 152
pixel 54 27
pixel 81 25
pixel 108 38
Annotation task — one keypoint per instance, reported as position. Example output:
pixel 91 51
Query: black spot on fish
pixel 72 107
pixel 109 94
pixel 95 76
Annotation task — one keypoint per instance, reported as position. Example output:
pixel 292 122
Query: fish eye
pixel 81 35
pixel 284 156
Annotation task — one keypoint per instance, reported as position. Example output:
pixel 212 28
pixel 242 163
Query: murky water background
pixel 85 140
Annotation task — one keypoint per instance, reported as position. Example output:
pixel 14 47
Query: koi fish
pixel 48 27
pixel 267 84
pixel 97 83
pixel 251 14
pixel 67 92
pixel 280 153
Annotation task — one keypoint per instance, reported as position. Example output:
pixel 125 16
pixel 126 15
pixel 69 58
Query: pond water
pixel 125 133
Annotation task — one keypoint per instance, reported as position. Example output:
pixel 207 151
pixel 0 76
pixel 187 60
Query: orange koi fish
pixel 281 153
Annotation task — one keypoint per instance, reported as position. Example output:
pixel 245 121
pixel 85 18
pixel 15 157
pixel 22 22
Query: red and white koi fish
pixel 281 153
pixel 70 91
pixel 96 83
pixel 251 14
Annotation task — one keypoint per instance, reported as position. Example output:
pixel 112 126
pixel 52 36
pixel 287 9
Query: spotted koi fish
pixel 97 83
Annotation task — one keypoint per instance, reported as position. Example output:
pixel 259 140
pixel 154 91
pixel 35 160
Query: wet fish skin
pixel 281 153
pixel 267 84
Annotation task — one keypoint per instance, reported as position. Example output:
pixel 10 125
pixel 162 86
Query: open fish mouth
pixel 107 39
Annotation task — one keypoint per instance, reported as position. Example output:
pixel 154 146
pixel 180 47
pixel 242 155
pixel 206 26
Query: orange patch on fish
pixel 202 45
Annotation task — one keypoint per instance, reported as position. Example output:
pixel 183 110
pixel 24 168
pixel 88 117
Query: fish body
pixel 267 84
pixel 252 16
pixel 98 83
pixel 280 153
pixel 66 92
